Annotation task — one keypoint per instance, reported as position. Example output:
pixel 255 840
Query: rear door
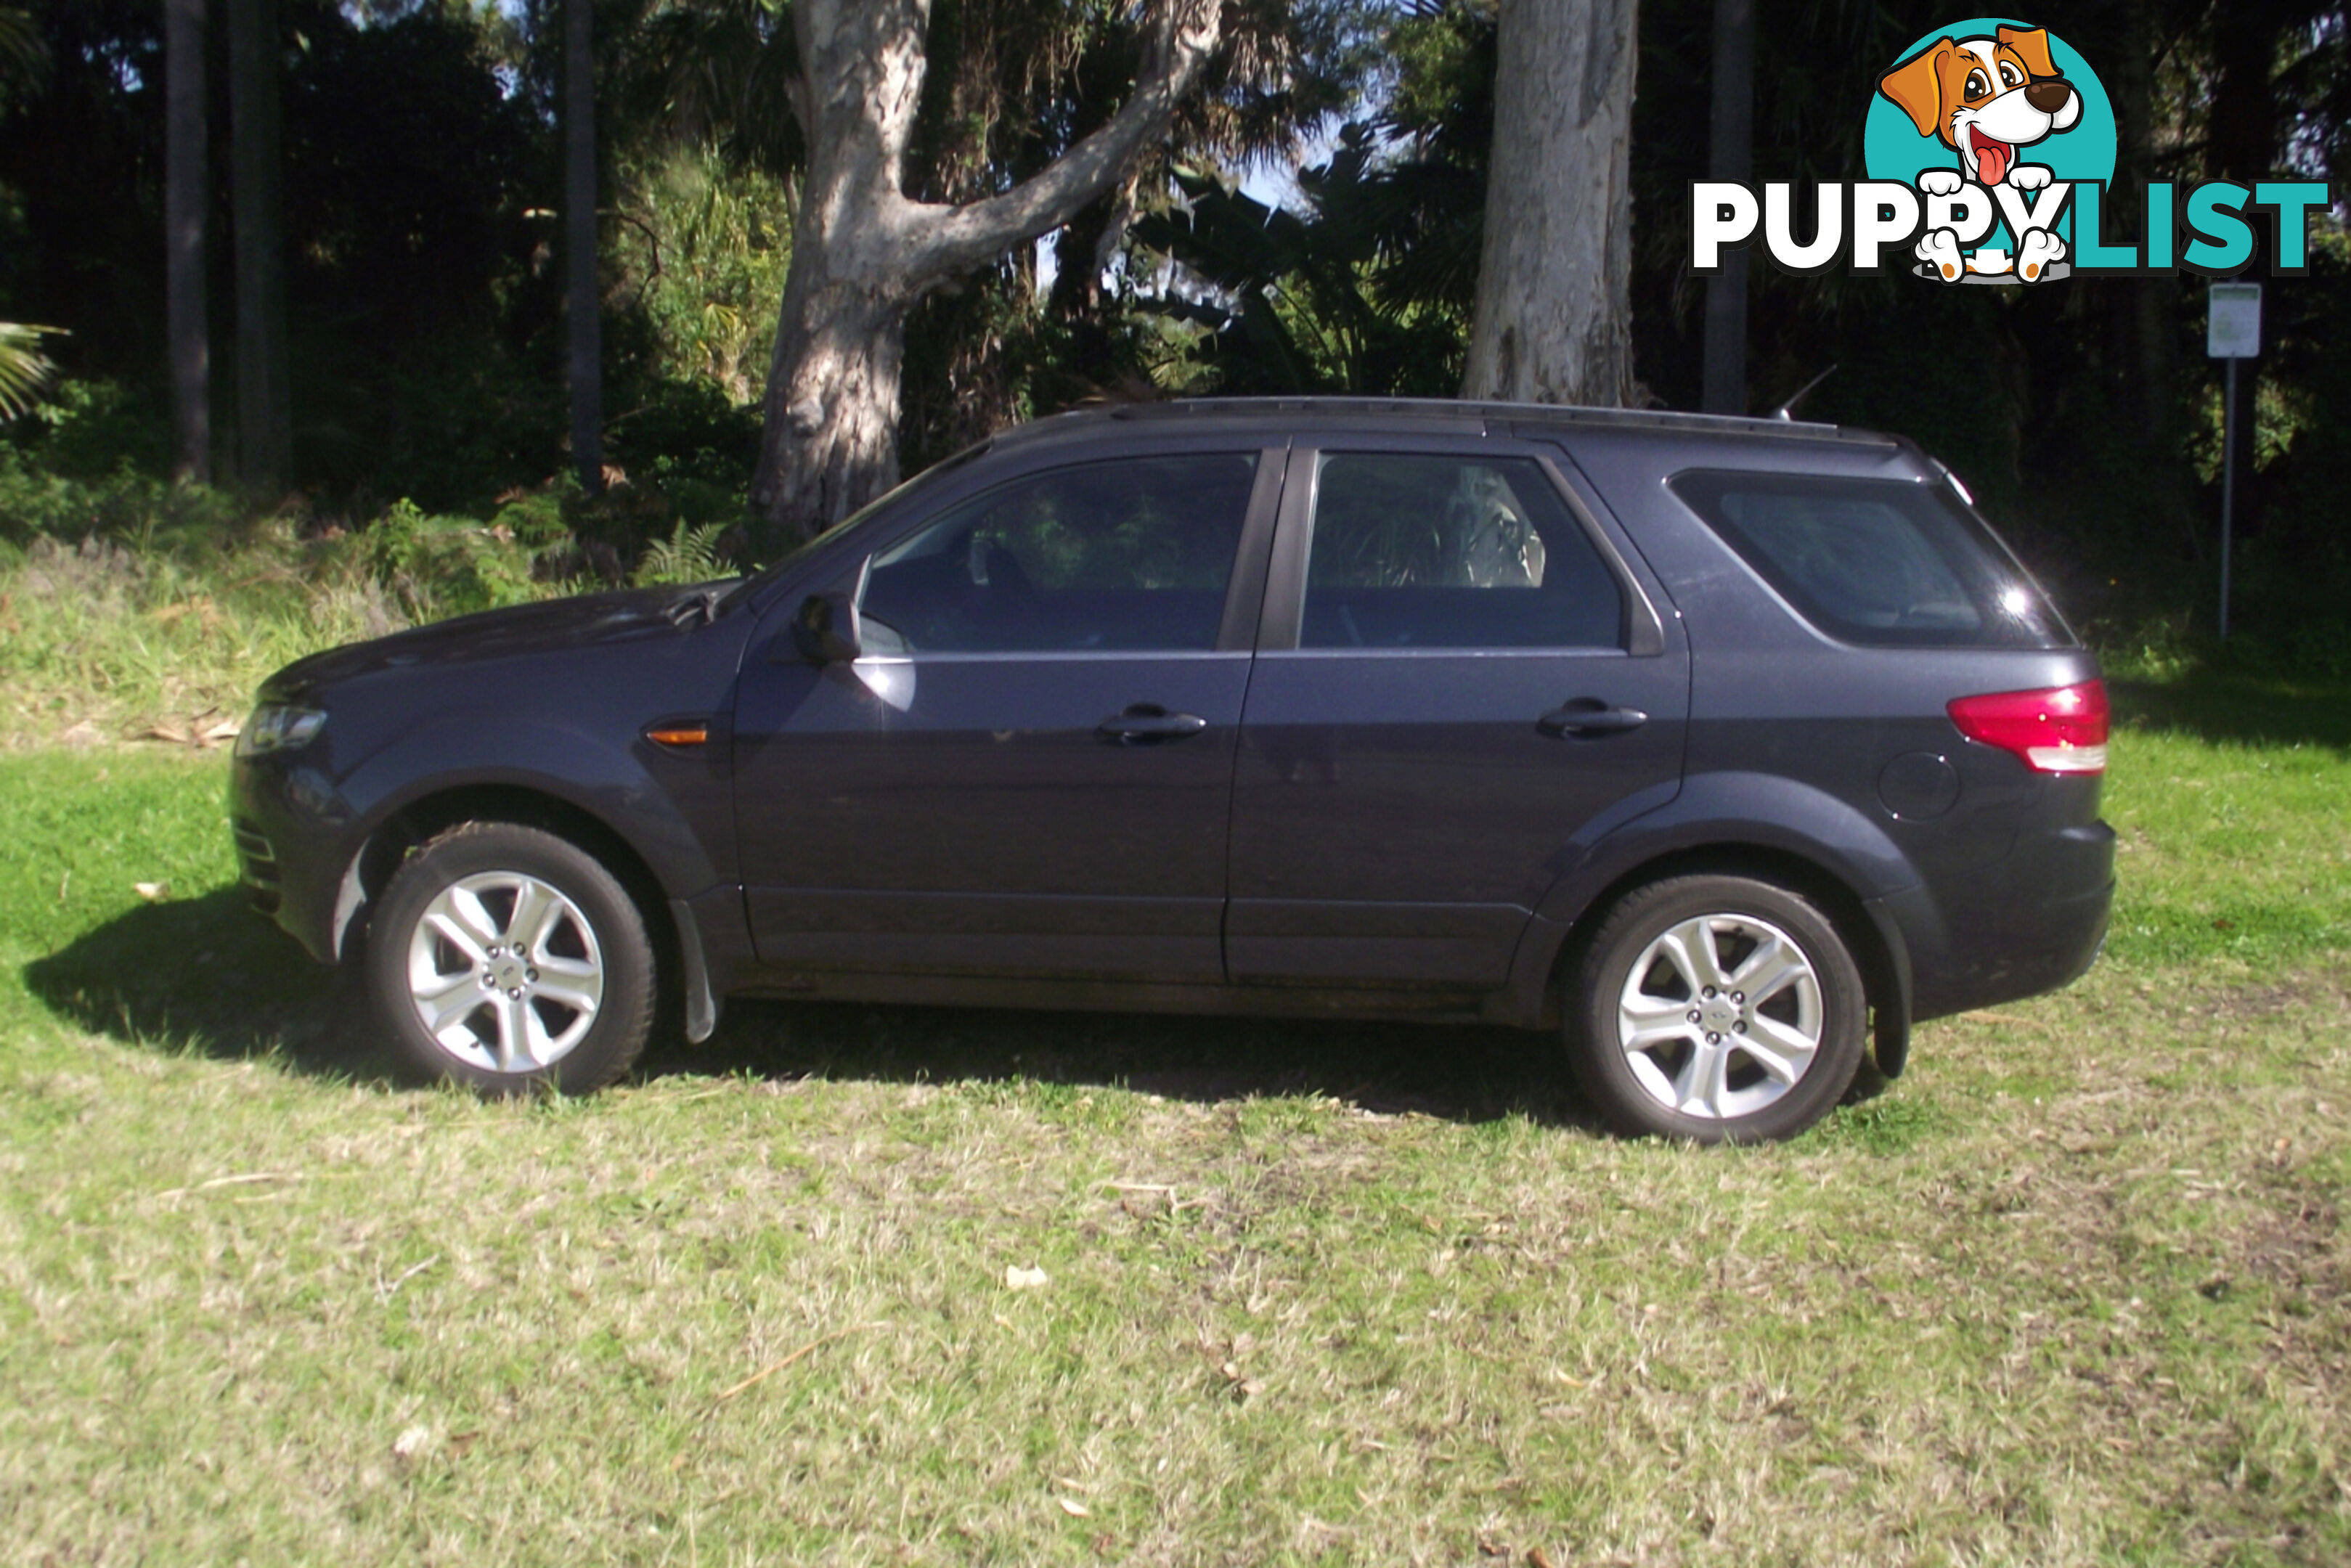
pixel 1459 674
pixel 1029 771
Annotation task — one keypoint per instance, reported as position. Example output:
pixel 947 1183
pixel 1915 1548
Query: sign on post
pixel 2232 327
pixel 2232 331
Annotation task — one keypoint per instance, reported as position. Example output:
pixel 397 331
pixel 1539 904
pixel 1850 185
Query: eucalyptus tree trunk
pixel 1554 321
pixel 583 300
pixel 186 189
pixel 863 253
pixel 264 412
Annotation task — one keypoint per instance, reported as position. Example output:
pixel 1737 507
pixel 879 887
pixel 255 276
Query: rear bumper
pixel 2031 924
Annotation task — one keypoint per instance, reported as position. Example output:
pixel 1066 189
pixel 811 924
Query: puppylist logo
pixel 1989 149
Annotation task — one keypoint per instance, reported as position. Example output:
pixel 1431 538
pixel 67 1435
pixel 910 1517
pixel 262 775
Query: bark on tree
pixel 264 413
pixel 186 192
pixel 1731 157
pixel 584 303
pixel 863 253
pixel 1554 313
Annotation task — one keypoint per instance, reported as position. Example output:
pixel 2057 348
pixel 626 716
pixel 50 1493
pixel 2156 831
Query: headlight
pixel 275 726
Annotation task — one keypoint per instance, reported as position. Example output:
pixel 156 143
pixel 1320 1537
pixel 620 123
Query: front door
pixel 1459 675
pixel 1029 771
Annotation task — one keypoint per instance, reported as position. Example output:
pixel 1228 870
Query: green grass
pixel 2072 1292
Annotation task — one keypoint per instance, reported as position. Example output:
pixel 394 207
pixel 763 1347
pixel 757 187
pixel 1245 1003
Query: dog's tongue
pixel 1992 157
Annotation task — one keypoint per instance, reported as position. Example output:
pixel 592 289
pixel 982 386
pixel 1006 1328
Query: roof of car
pixel 1407 411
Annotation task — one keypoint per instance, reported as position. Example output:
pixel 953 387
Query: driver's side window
pixel 1129 555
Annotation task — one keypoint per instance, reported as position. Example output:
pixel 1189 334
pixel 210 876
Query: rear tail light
pixel 2059 729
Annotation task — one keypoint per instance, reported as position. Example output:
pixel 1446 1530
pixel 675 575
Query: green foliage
pixel 89 430
pixel 1303 304
pixel 690 554
pixel 129 604
pixel 706 245
pixel 451 566
pixel 1369 289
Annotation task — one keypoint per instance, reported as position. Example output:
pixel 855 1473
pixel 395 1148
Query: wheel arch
pixel 417 823
pixel 1873 938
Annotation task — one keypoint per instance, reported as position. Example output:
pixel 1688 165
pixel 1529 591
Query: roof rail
pixel 1453 408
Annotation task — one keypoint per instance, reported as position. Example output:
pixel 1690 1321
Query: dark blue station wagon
pixel 1729 748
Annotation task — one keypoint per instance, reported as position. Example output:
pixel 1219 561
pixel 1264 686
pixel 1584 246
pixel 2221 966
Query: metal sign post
pixel 2232 331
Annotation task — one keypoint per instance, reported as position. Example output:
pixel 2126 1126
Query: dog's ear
pixel 1915 85
pixel 2032 46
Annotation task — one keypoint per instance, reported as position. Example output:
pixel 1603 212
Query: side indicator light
pixel 679 737
pixel 2056 729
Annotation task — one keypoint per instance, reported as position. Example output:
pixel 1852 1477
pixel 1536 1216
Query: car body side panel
pixel 1801 737
pixel 984 826
pixel 1397 812
pixel 374 759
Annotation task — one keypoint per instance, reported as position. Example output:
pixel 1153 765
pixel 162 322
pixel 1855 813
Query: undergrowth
pixel 134 609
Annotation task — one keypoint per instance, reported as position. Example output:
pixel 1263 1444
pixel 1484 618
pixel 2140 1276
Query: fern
pixel 688 554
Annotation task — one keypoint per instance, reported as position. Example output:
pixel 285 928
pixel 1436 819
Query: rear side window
pixel 1438 552
pixel 1882 562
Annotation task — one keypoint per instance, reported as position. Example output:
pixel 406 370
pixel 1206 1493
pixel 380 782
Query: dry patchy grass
pixel 2074 1294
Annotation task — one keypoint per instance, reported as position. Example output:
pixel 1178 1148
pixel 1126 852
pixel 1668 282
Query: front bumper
pixel 296 839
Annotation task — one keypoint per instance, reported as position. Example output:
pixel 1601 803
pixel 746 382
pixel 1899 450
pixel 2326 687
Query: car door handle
pixel 1148 724
pixel 1590 715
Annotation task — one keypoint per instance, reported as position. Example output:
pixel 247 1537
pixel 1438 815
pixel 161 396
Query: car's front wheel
pixel 1718 1008
pixel 508 958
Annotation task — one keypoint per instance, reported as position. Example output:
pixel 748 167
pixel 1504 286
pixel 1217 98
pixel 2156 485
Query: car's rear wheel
pixel 1718 1008
pixel 508 958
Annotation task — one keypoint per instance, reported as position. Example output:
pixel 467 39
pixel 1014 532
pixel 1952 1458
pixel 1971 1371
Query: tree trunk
pixel 1732 158
pixel 186 192
pixel 2144 310
pixel 1554 319
pixel 264 404
pixel 2242 133
pixel 584 303
pixel 863 254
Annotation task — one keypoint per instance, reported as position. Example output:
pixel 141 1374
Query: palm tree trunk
pixel 584 302
pixel 264 404
pixel 186 192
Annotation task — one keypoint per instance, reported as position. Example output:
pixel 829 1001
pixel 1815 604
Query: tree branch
pixel 959 238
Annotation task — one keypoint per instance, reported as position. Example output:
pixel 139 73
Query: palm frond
pixel 22 53
pixel 24 369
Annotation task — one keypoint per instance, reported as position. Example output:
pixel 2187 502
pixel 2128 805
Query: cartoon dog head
pixel 1985 97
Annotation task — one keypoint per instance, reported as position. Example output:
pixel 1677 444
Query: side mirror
pixel 826 629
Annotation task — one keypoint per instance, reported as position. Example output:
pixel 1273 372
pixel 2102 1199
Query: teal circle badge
pixel 1895 148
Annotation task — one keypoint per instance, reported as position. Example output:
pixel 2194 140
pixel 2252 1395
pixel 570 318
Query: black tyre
pixel 1718 1008
pixel 508 958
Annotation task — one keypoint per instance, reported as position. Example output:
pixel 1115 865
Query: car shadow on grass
pixel 204 976
pixel 1457 1072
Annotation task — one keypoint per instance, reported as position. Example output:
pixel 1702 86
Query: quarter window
pixel 1429 551
pixel 1132 555
pixel 1883 562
